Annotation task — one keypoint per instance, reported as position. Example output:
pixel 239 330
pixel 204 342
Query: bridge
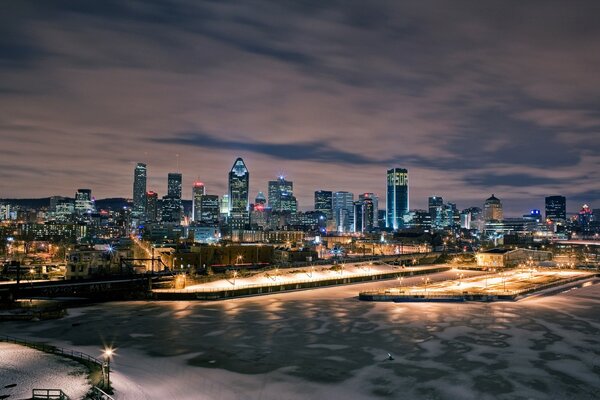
pixel 110 288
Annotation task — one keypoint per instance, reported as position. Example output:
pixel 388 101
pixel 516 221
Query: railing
pixel 52 349
pixel 49 394
pixel 99 394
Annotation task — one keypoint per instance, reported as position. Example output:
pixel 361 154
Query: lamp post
pixel 234 276
pixel 108 353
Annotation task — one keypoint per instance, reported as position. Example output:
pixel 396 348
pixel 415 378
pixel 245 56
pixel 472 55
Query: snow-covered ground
pixel 326 344
pixel 23 369
pixel 304 274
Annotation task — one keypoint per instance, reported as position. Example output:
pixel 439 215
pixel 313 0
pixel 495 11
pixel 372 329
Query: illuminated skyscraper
pixel 492 209
pixel 171 203
pixel 436 211
pixel 209 208
pixel 239 188
pixel 324 203
pixel 260 199
pixel 84 203
pixel 151 206
pixel 174 185
pixel 197 193
pixel 280 194
pixel 139 190
pixel 343 211
pixel 397 197
pixel 556 208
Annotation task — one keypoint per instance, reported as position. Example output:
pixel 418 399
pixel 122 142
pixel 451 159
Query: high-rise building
pixel 343 211
pixel 84 203
pixel 436 208
pixel 174 185
pixel 260 199
pixel 556 208
pixel 280 190
pixel 372 215
pixel 492 209
pixel 324 203
pixel 239 188
pixel 151 206
pixel 197 193
pixel 172 208
pixel 365 217
pixel 139 190
pixel 397 197
pixel 209 208
pixel 224 206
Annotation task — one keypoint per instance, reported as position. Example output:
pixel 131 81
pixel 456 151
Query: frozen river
pixel 325 344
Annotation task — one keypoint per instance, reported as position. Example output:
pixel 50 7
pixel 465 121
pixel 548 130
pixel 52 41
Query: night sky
pixel 473 97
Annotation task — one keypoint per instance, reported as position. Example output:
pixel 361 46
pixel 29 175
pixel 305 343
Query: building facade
pixel 397 197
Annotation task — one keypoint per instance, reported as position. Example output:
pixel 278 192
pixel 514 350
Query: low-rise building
pixel 503 258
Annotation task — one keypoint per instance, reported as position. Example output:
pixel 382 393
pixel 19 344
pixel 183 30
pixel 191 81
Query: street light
pixel 234 276
pixel 108 353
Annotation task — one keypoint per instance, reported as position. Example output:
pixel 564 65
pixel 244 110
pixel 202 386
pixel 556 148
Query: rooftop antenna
pixel 177 157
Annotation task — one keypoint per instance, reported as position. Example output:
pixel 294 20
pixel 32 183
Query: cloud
pixel 317 151
pixel 470 97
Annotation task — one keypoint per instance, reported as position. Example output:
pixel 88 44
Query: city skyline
pixel 472 100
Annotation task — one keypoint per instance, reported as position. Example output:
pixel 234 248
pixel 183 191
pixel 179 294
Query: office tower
pixel 224 206
pixel 197 193
pixel 358 216
pixel 139 190
pixel 209 208
pixel 84 203
pixel 174 185
pixel 171 203
pixel 324 203
pixel 556 208
pixel 397 197
pixel 280 191
pixel 239 185
pixel 151 206
pixel 54 201
pixel 436 208
pixel 343 210
pixel 492 209
pixel 260 199
pixel 584 217
pixel 371 216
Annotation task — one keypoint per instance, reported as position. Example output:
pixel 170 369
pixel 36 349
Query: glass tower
pixel 139 190
pixel 397 197
pixel 239 185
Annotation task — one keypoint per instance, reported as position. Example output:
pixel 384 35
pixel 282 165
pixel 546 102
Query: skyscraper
pixel 197 193
pixel 280 191
pixel 324 203
pixel 397 197
pixel 209 208
pixel 343 211
pixel 84 203
pixel 436 208
pixel 139 190
pixel 492 209
pixel 151 206
pixel 174 185
pixel 239 188
pixel 171 203
pixel 260 199
pixel 372 211
pixel 556 208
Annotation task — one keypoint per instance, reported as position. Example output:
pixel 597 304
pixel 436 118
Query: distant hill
pixel 28 203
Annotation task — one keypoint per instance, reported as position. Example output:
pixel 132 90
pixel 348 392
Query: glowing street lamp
pixel 234 276
pixel 107 353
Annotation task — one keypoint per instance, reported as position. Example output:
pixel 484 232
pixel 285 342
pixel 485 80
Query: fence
pixel 52 350
pixel 48 394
